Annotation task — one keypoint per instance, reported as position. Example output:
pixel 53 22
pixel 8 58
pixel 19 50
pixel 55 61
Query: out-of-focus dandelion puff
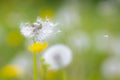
pixel 107 8
pixel 69 16
pixel 58 56
pixel 38 47
pixel 14 39
pixel 11 18
pixel 23 61
pixel 115 45
pixel 18 67
pixel 79 41
pixel 39 30
pixel 111 68
pixel 11 71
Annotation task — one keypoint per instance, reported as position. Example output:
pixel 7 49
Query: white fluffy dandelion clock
pixel 39 30
pixel 58 56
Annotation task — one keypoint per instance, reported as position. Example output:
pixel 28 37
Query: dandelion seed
pixel 106 36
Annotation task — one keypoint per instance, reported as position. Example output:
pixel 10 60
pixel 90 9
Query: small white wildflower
pixel 39 30
pixel 58 56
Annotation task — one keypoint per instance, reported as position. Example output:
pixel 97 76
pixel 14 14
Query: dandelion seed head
pixel 58 56
pixel 39 30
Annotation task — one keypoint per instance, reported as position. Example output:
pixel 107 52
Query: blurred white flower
pixel 69 15
pixel 39 30
pixel 58 56
pixel 79 41
pixel 115 45
pixel 107 8
pixel 13 18
pixel 18 67
pixel 111 67
pixel 23 61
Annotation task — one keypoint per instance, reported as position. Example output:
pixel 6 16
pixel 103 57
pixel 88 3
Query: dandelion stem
pixel 63 74
pixel 35 66
pixel 44 74
pixel 44 67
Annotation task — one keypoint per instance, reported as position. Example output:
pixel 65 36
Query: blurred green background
pixel 90 28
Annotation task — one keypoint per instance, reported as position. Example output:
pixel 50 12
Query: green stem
pixel 44 68
pixel 35 66
pixel 63 74
pixel 45 72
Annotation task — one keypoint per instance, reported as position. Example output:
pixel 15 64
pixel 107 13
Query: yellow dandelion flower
pixel 11 71
pixel 38 47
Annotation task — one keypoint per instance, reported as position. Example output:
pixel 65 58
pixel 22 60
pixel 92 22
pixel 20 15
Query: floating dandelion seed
pixel 39 30
pixel 58 56
pixel 106 36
